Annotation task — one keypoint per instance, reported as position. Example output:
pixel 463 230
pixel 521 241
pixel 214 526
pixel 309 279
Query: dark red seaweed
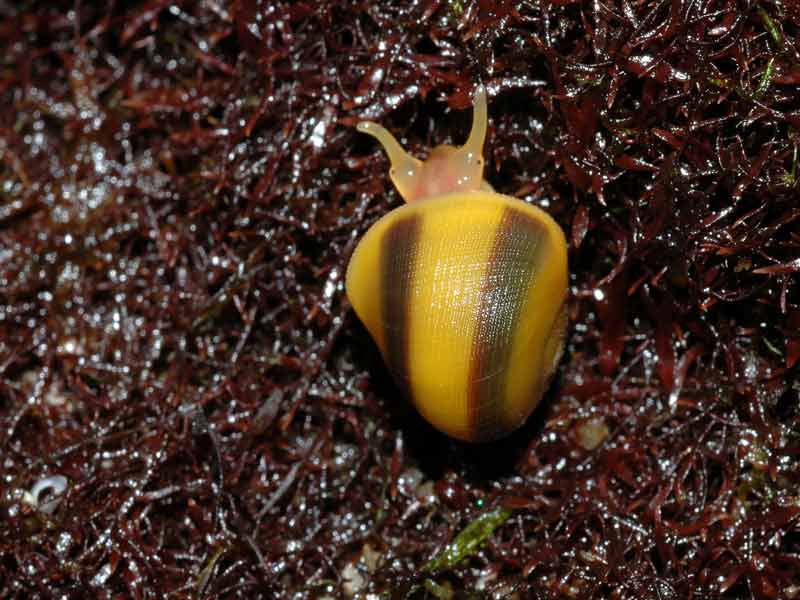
pixel 190 409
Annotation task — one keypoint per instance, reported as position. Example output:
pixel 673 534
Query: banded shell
pixel 464 295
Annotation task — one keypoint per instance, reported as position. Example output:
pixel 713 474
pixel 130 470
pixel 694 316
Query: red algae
pixel 189 408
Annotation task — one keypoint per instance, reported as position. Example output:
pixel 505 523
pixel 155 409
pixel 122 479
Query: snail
pixel 462 289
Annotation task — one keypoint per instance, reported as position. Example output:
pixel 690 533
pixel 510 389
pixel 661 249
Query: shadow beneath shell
pixel 478 463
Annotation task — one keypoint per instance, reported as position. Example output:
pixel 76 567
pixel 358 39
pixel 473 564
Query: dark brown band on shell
pixel 398 263
pixel 515 257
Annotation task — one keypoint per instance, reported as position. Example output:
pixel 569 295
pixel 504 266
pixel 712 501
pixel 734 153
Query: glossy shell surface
pixel 464 295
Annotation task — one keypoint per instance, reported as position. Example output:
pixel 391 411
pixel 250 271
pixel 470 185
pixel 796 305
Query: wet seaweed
pixel 188 406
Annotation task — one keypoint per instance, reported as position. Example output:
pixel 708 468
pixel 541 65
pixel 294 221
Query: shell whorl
pixel 462 294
